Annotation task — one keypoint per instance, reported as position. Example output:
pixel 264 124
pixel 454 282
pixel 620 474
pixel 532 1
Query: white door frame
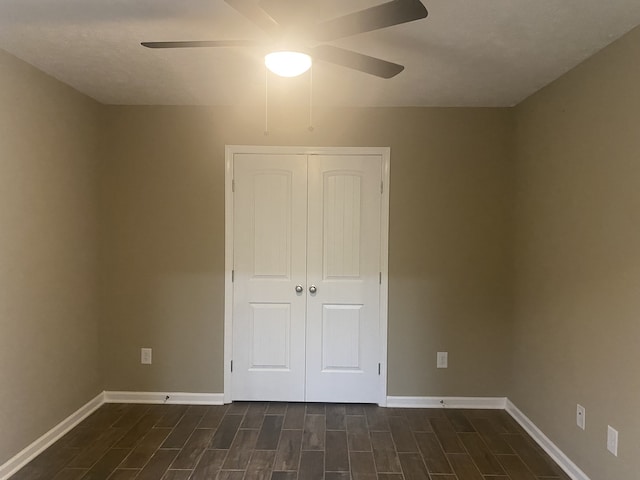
pixel 230 151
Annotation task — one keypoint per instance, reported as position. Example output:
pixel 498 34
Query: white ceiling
pixel 466 53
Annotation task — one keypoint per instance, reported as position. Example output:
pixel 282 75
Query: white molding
pixel 547 445
pixel 384 269
pixel 304 150
pixel 230 151
pixel 19 460
pixel 495 403
pixel 228 268
pixel 177 398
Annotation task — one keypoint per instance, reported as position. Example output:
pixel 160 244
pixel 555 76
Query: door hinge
pixel 380 278
pixel 233 275
pixel 231 365
pixel 233 185
pixel 379 367
pixel 381 187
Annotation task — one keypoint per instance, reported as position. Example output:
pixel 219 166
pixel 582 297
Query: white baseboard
pixel 547 445
pixel 19 460
pixel 496 403
pixel 182 398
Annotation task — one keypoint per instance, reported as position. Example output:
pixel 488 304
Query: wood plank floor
pixel 295 441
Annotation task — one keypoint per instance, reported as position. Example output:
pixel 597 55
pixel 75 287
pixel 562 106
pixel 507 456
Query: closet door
pixel 343 278
pixel 269 304
pixel 306 289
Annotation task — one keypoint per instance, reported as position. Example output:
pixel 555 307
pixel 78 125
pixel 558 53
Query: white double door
pixel 306 290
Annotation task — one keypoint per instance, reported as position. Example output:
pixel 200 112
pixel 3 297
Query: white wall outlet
pixel 443 360
pixel 581 416
pixel 612 440
pixel 145 356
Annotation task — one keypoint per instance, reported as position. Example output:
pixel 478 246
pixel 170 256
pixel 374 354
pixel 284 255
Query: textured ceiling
pixel 466 53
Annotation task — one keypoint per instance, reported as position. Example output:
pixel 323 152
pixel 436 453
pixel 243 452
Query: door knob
pixel 299 288
pixel 313 289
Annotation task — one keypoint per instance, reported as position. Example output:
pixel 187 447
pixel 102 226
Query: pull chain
pixel 266 101
pixel 311 99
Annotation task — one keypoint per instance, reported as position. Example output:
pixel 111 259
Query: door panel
pixel 341 242
pixel 270 333
pixel 271 221
pixel 343 262
pixel 341 334
pixel 269 261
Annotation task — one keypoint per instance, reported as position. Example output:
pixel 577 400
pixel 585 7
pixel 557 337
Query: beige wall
pixel 578 259
pixel 48 325
pixel 450 240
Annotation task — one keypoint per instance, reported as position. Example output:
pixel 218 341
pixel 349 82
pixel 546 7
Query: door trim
pixel 230 151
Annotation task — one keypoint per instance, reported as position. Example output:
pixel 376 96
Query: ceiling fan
pixel 297 37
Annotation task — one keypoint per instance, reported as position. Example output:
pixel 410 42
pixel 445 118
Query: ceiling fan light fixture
pixel 287 63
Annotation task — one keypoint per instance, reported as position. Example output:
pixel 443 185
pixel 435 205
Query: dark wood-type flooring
pixel 294 441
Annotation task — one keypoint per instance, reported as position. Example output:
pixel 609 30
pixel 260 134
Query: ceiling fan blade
pixel 387 14
pixel 289 13
pixel 356 61
pixel 252 11
pixel 201 43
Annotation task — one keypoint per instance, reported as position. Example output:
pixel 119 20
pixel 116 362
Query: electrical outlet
pixel 443 360
pixel 581 416
pixel 145 356
pixel 612 440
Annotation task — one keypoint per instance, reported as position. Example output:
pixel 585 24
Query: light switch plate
pixel 443 360
pixel 145 356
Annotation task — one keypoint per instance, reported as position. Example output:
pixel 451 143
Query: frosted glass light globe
pixel 288 64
